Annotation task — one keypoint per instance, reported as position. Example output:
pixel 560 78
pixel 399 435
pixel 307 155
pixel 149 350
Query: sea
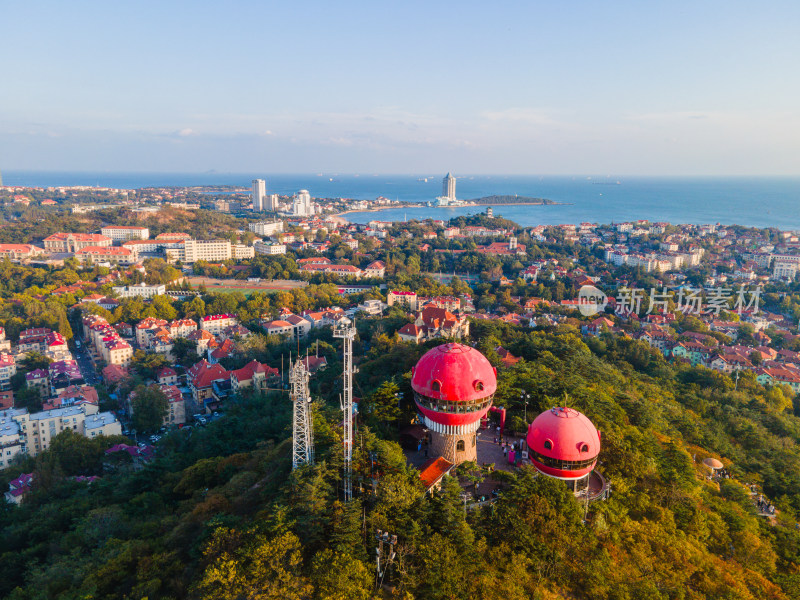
pixel 748 201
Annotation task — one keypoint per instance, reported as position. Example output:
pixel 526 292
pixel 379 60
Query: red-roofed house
pixel 177 406
pixel 224 350
pixel 167 376
pixel 123 256
pixel 438 322
pixel 202 376
pixel 17 488
pixel 18 251
pixel 72 242
pixel 410 333
pixel 113 374
pixel 376 268
pixel 433 471
pixel 254 374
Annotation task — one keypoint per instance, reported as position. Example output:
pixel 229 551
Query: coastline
pixel 402 206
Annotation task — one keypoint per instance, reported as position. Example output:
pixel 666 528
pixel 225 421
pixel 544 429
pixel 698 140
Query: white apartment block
pixel 267 248
pixel 784 270
pixel 240 251
pixel 266 228
pixel 123 233
pixel 207 250
pixel 117 352
pixel 24 433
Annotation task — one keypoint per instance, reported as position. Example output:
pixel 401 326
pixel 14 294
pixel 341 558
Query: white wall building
pixel 208 250
pixel 302 204
pixel 267 248
pixel 123 233
pixel 266 228
pixel 141 290
pixel 240 251
pixel 784 270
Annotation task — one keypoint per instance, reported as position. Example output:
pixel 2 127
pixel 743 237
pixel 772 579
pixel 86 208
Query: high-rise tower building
pixel 272 202
pixel 449 187
pixel 259 193
pixel 302 204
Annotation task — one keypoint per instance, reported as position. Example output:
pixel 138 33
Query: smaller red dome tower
pixel 563 443
pixel 453 388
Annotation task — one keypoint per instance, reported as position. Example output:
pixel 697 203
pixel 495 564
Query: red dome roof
pixel 455 373
pixel 563 443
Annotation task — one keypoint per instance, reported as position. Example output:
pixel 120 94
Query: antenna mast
pixel 347 333
pixel 302 424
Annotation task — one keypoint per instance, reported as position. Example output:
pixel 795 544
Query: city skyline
pixel 628 89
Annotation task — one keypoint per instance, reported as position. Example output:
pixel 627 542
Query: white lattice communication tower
pixel 347 333
pixel 302 421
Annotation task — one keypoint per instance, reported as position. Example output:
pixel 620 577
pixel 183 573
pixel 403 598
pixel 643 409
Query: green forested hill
pixel 220 515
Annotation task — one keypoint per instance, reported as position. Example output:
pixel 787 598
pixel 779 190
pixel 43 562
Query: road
pixel 86 365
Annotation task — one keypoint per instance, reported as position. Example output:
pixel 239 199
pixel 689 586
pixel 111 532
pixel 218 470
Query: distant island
pixel 493 200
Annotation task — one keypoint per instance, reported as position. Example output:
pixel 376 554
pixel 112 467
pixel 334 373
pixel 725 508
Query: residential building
pixel 63 374
pixel 177 406
pixel 376 268
pixel 287 323
pixel 784 270
pixel 181 328
pixel 214 324
pixel 201 378
pixel 104 423
pixel 408 299
pixel 40 380
pixel 254 374
pixel 146 328
pixel 17 488
pixel 117 352
pixel 438 322
pixel 167 376
pixel 203 341
pixel 8 368
pixel 123 233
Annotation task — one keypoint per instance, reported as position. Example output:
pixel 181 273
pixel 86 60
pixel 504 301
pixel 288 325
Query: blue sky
pixel 650 88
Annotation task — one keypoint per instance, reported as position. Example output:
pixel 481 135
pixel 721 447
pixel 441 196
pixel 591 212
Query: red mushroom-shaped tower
pixel 563 443
pixel 453 387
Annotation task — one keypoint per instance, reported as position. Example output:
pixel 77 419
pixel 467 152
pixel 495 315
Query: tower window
pixel 584 448
pixel 460 446
pixel 548 445
pixel 436 386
